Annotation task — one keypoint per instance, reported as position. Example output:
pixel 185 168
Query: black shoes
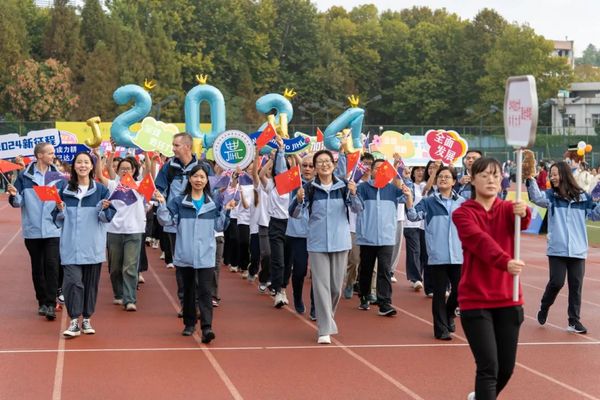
pixel 43 310
pixel 387 310
pixel 50 313
pixel 542 316
pixel 207 336
pixel 451 325
pixel 188 331
pixel 444 336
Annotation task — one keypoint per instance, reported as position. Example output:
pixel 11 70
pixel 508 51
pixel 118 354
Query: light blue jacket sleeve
pixel 355 202
pixel 594 214
pixel 535 195
pixel 340 169
pixel 418 212
pixel 222 221
pixel 168 214
pixel 280 165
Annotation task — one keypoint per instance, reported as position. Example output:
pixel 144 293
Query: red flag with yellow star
pixel 147 187
pixel 320 136
pixel 384 175
pixel 265 137
pixel 47 193
pixel 288 181
pixel 352 161
pixel 127 180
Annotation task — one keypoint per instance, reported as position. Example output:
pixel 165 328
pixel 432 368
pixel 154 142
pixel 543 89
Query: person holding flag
pixel 196 216
pixel 327 199
pixel 41 235
pixel 376 233
pixel 490 318
pixel 125 231
pixel 83 214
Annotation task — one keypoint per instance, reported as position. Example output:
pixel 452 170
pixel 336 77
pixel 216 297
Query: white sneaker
pixel 417 286
pixel 162 255
pixel 233 269
pixel 86 327
pixel 141 279
pixel 73 329
pixel 471 396
pixel 284 296
pixel 170 266
pixel 130 307
pixel 325 339
pixel 279 300
pixel 155 244
pixel 393 279
pixel 244 274
pixel 118 302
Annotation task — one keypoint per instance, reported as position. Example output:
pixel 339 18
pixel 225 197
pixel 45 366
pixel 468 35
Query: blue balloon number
pixel 119 130
pixel 214 97
pixel 353 118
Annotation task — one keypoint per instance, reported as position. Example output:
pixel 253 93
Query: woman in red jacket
pixel 490 318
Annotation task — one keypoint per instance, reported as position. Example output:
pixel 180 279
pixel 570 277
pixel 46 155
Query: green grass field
pixel 593 229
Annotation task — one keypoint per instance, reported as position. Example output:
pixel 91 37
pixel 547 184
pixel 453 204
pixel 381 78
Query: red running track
pixel 264 353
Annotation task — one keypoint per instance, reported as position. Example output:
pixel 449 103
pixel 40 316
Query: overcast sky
pixel 554 19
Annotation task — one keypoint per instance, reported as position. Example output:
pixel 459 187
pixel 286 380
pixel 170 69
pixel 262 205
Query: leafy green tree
pixel 40 91
pixel 591 56
pixel 61 37
pixel 94 25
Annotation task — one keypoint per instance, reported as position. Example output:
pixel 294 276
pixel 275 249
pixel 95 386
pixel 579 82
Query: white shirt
pixel 263 217
pixel 278 205
pixel 82 191
pixel 129 218
pixel 418 196
pixel 244 214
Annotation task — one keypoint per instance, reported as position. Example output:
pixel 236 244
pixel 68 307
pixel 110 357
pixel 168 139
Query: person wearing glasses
pixel 443 247
pixel 327 199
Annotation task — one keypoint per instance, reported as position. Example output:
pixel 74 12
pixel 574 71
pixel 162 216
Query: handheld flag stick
pixel 517 254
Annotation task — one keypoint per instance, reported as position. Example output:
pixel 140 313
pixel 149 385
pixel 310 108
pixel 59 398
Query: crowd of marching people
pixel 344 224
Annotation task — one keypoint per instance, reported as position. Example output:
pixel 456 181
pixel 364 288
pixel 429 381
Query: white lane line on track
pixel 271 348
pixel 211 359
pixel 60 359
pixel 10 241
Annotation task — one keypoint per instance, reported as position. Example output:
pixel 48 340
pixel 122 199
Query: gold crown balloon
pixel 201 79
pixel 354 100
pixel 289 93
pixel 149 84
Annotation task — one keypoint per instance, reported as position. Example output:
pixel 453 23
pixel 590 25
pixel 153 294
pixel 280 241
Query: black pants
pixel 45 262
pixel 493 335
pixel 442 309
pixel 561 267
pixel 277 229
pixel 80 288
pixel 231 249
pixel 243 246
pixel 143 262
pixel 178 276
pixel 383 256
pixel 165 245
pixel 298 260
pixel 265 254
pixel 254 254
pixel 201 280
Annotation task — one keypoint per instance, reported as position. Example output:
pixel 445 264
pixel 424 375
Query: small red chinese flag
pixel 147 187
pixel 47 193
pixel 352 160
pixel 320 135
pixel 127 180
pixel 7 166
pixel 288 181
pixel 265 137
pixel 384 175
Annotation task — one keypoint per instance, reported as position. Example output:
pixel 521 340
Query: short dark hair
pixel 318 153
pixel 481 165
pixel 414 169
pixel 474 151
pixel 367 156
pixel 447 168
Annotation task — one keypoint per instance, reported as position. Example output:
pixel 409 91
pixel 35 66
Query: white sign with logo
pixel 520 111
pixel 233 149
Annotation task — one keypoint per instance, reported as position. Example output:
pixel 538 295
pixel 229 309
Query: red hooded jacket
pixel 487 239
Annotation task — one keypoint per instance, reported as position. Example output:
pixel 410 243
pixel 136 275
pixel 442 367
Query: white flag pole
pixel 517 254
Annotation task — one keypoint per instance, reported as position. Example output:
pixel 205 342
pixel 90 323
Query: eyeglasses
pixel 307 166
pixel 324 162
pixel 444 177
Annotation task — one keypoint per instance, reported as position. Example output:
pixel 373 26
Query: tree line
pixel 416 66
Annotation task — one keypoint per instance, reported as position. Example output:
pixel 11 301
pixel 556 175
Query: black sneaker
pixel 43 310
pixel 386 310
pixel 444 336
pixel 577 327
pixel 542 316
pixel 188 331
pixel 50 313
pixel 73 329
pixel 207 336
pixel 364 303
pixel 451 325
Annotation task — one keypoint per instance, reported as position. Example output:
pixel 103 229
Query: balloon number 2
pixel 120 131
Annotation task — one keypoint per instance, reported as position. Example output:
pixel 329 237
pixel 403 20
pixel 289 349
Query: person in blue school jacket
pixel 196 216
pixel 83 214
pixel 40 233
pixel 568 207
pixel 376 235
pixel 327 199
pixel 444 249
